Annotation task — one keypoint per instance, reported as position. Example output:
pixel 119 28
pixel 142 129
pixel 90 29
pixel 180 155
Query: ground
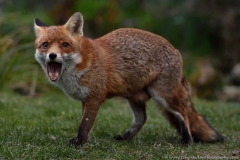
pixel 40 127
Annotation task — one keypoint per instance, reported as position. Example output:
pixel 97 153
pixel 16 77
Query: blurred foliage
pixel 197 28
pixel 13 47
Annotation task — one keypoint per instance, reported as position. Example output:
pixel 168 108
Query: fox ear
pixel 38 26
pixel 75 24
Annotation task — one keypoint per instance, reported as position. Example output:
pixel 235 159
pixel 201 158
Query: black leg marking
pixel 186 137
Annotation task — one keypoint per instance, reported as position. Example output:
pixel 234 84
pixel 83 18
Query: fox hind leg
pixel 179 125
pixel 139 113
pixel 175 113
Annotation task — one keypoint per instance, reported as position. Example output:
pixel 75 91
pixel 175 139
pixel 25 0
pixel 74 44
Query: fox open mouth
pixel 54 70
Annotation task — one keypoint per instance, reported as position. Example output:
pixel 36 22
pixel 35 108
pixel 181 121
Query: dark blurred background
pixel 206 32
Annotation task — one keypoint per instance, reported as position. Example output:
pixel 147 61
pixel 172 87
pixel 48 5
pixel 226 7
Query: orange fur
pixel 131 63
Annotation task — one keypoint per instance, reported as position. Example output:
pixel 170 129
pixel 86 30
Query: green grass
pixel 39 128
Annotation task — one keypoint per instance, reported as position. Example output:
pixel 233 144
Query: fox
pixel 134 64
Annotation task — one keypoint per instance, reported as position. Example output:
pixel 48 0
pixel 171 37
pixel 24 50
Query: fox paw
pixel 118 138
pixel 76 142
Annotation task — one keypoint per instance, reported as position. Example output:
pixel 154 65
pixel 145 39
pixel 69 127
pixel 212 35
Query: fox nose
pixel 52 56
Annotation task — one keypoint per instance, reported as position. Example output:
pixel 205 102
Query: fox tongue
pixel 53 75
pixel 54 71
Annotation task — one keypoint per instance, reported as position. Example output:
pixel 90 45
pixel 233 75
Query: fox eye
pixel 45 45
pixel 65 44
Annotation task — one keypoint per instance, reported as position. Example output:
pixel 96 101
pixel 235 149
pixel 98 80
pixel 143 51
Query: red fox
pixel 131 63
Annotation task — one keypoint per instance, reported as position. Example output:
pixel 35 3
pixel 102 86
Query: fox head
pixel 57 47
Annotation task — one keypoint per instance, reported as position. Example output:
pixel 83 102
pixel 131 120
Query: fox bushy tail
pixel 200 129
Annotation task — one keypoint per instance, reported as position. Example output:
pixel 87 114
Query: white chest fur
pixel 69 82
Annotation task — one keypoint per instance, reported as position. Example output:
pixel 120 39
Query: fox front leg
pixel 90 110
